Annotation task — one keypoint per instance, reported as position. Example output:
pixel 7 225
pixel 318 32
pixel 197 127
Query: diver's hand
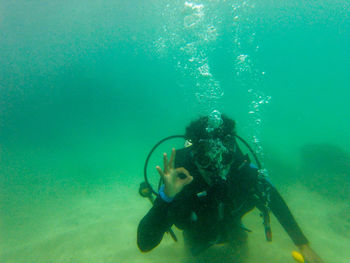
pixel 309 255
pixel 173 184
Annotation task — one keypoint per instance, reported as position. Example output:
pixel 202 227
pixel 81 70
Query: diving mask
pixel 213 156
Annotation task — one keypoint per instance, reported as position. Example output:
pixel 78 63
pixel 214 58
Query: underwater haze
pixel 87 88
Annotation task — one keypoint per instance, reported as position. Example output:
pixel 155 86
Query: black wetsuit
pixel 212 214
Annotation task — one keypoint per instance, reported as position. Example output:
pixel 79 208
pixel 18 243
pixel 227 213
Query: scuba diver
pixel 206 190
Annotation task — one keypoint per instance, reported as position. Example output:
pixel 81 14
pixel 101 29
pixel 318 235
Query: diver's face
pixel 214 156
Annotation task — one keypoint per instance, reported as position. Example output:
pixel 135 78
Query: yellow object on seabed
pixel 298 257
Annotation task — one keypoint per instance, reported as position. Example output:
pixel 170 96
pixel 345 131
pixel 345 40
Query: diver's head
pixel 213 143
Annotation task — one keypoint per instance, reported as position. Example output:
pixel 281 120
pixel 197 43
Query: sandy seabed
pixel 101 227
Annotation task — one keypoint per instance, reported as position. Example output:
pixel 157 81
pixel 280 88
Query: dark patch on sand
pixel 325 168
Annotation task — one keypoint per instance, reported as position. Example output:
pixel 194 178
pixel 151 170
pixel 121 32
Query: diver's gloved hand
pixel 309 255
pixel 173 182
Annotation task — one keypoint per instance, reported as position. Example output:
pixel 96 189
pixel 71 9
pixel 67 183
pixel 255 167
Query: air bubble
pixel 242 57
pixel 204 70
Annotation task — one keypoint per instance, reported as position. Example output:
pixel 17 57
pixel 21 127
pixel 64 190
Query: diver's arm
pixel 285 217
pixel 153 226
pixel 279 208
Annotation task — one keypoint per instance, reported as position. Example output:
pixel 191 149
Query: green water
pixel 87 88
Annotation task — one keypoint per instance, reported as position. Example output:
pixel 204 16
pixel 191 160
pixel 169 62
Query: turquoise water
pixel 87 88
